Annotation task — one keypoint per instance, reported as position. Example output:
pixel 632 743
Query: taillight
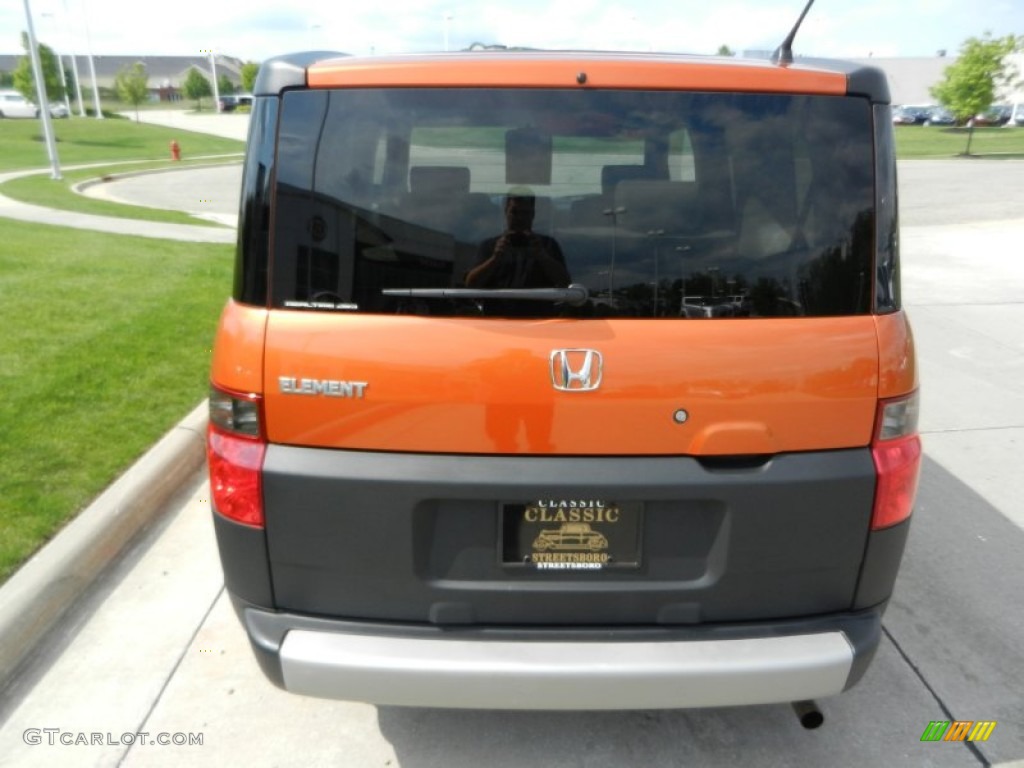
pixel 234 451
pixel 896 450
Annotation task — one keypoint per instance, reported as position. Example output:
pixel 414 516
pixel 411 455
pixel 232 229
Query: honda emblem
pixel 576 370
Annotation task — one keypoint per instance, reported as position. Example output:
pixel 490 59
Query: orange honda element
pixel 565 381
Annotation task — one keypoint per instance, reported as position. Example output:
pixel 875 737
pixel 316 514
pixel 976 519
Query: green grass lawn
pixel 935 141
pixel 106 338
pixel 105 347
pixel 84 140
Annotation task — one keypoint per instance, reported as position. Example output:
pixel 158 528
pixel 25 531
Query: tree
pixel 970 84
pixel 725 50
pixel 197 86
pixel 224 85
pixel 25 81
pixel 132 83
pixel 249 71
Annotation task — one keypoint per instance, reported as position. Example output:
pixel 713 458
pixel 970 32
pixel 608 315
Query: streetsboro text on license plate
pixel 569 560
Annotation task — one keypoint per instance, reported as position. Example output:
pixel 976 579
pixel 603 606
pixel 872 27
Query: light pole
pixel 713 271
pixel 74 66
pixel 447 21
pixel 44 102
pixel 60 65
pixel 216 89
pixel 92 65
pixel 657 234
pixel 614 213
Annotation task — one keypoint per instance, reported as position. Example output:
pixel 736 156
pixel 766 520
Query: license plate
pixel 571 534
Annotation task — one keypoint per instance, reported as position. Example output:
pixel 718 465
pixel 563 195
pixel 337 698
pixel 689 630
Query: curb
pixel 94 189
pixel 80 187
pixel 39 593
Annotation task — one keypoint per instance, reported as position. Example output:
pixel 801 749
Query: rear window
pixel 661 204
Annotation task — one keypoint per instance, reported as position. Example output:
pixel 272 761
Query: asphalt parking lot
pixel 155 649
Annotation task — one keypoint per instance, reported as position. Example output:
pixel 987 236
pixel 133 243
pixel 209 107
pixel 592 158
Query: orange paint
pixel 484 386
pixel 896 359
pixel 238 355
pixel 554 70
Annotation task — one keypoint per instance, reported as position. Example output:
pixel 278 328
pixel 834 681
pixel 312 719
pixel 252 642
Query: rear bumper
pixel 560 669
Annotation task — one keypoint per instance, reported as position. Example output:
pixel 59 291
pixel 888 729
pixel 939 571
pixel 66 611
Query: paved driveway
pixel 206 192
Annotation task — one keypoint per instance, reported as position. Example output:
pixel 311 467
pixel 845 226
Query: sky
pixel 258 29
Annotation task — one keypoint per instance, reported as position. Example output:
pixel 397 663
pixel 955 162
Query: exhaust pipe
pixel 808 714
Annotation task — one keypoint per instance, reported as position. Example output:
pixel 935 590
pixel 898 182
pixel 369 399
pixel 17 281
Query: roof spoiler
pixel 783 55
pixel 288 71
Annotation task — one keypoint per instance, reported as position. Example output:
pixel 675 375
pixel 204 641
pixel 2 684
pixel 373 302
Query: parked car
pixel 457 330
pixel 995 116
pixel 59 110
pixel 940 116
pixel 910 115
pixel 230 102
pixel 13 104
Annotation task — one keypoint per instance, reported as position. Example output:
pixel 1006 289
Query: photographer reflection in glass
pixel 519 257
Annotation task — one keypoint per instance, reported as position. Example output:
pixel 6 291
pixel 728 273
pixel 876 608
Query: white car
pixel 13 104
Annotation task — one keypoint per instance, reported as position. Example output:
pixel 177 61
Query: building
pixel 166 73
pixel 911 77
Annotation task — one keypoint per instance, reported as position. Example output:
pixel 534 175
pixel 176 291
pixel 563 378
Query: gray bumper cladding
pixel 452 673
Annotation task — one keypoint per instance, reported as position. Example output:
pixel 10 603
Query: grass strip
pixel 105 347
pixel 935 141
pixel 40 189
pixel 84 140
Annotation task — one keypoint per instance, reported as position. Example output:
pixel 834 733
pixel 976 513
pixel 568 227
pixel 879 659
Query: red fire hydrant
pixel 175 150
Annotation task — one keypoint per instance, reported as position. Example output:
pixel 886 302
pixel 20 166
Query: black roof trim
pixel 861 80
pixel 288 71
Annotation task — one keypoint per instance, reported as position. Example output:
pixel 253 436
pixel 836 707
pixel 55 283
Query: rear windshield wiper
pixel 575 295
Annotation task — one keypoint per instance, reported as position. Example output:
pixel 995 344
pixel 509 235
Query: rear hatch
pixel 464 386
pixel 688 444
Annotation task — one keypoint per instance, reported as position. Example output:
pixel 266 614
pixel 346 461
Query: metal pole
pixel 67 96
pixel 216 90
pixel 92 66
pixel 60 64
pixel 74 65
pixel 78 86
pixel 44 102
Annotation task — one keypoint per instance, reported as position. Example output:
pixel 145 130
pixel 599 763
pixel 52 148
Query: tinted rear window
pixel 662 204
